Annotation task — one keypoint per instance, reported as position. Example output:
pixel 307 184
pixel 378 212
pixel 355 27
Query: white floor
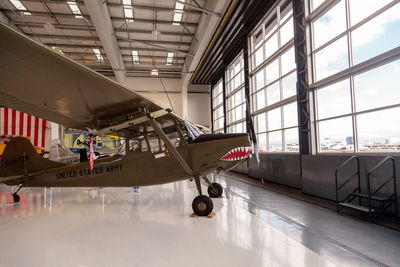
pixel 117 227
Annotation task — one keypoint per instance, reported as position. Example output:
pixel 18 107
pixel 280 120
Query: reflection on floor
pixel 118 227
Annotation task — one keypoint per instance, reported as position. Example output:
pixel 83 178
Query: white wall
pixel 199 108
pixel 152 88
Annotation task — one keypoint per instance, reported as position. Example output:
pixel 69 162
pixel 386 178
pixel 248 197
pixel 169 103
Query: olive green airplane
pixel 160 147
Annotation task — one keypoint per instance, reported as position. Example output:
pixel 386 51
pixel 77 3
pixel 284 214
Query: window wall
pixel 218 108
pixel 356 94
pixel 235 96
pixel 273 81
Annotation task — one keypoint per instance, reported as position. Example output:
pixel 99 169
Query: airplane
pixel 37 80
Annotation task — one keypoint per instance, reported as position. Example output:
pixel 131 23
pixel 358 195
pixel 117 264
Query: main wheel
pixel 16 198
pixel 202 205
pixel 215 190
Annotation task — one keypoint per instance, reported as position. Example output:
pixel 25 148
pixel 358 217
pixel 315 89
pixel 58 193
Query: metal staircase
pixel 371 202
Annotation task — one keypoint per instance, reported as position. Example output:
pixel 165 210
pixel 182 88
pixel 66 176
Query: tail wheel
pixel 202 205
pixel 215 190
pixel 16 198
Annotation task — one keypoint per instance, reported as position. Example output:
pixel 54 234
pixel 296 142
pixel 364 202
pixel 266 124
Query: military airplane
pixel 39 81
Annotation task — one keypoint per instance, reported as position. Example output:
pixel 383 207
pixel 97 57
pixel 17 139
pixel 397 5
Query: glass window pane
pixel 288 62
pixel 286 13
pixel 274 119
pixel 262 142
pixel 334 100
pixel 257 38
pixel 259 77
pixel 316 3
pixel 360 9
pixel 260 123
pixel 332 59
pixel 289 85
pixel 287 32
pixel 377 36
pixel 292 140
pixel 275 141
pixel 273 93
pixel 379 131
pixel 378 87
pixel 290 115
pixel 272 71
pixel 330 25
pixel 260 100
pixel 270 28
pixel 258 57
pixel 336 135
pixel 271 46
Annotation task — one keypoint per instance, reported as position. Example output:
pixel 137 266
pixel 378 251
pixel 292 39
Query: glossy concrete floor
pixel 117 227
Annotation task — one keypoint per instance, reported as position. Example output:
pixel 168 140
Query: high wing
pixel 39 81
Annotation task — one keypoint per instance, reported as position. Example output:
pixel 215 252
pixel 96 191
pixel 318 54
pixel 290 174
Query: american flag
pixel 16 123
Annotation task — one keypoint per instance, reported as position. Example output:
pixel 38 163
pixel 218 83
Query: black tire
pixel 16 198
pixel 215 190
pixel 202 205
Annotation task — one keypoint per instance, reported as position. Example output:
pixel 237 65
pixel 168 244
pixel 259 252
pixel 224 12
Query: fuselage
pixel 142 168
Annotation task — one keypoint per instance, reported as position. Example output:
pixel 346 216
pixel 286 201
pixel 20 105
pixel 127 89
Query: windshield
pixel 193 130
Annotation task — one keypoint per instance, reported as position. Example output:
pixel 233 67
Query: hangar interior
pixel 314 81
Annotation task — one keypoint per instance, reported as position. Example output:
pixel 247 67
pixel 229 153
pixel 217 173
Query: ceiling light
pixel 18 5
pixel 75 9
pixel 154 72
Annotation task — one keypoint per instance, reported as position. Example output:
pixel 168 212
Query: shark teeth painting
pixel 238 153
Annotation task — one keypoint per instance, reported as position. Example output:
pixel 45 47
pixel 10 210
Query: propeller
pixel 253 136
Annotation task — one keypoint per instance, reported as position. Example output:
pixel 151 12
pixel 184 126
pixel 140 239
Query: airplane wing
pixel 39 81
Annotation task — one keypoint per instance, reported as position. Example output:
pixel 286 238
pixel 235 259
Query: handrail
pixel 393 176
pixel 348 180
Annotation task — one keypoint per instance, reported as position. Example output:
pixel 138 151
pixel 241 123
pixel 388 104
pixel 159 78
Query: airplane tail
pixel 20 158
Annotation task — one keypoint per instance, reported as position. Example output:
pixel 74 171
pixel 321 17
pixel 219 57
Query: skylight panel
pixel 18 5
pixel 135 56
pixel 178 5
pixel 75 9
pixel 128 10
pixel 177 18
pixel 178 13
pixel 97 52
pixel 170 57
pixel 128 13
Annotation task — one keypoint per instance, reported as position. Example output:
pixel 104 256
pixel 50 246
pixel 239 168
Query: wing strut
pixel 171 147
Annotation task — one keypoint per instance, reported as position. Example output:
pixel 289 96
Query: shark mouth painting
pixel 238 153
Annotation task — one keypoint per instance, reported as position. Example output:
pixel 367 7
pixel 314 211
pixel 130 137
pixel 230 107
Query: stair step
pixel 357 207
pixel 375 197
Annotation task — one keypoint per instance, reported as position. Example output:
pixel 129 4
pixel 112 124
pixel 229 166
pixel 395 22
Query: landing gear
pixel 202 205
pixel 215 190
pixel 15 195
